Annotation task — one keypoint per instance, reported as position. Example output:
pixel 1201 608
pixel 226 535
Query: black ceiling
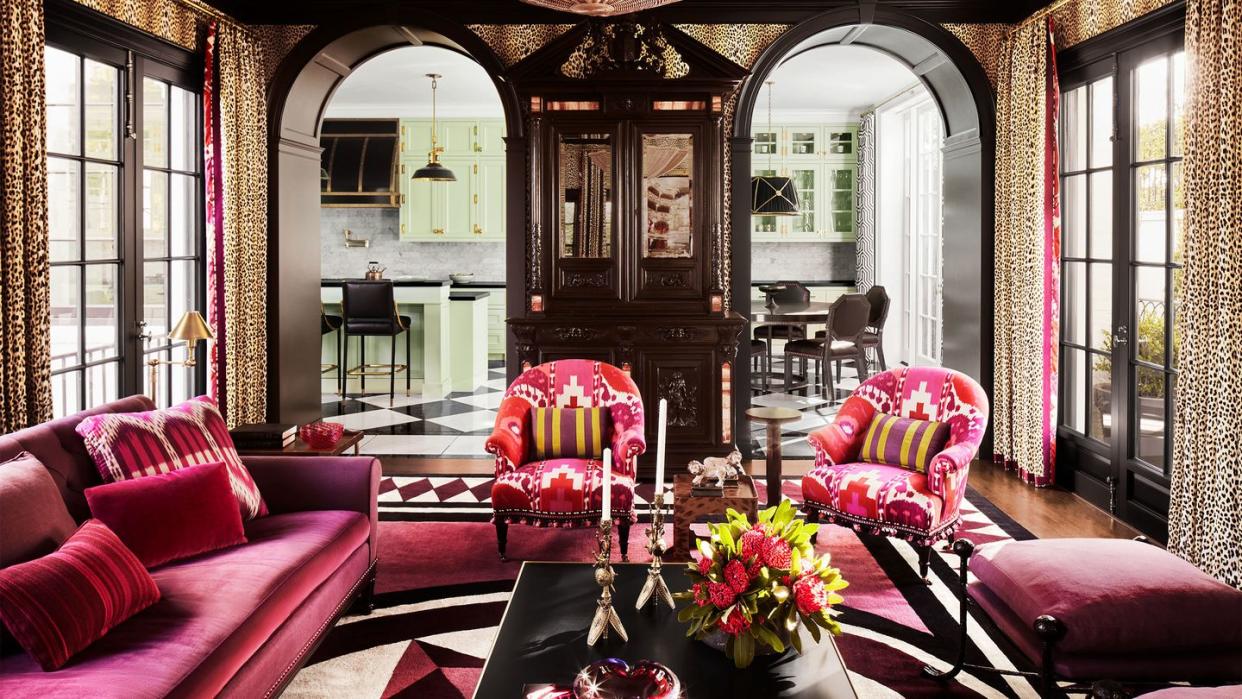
pixel 686 11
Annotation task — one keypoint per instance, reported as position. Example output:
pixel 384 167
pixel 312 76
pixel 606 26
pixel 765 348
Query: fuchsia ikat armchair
pixel 566 491
pixel 904 478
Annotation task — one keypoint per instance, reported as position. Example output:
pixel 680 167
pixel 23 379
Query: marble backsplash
pixel 402 258
pixel 805 262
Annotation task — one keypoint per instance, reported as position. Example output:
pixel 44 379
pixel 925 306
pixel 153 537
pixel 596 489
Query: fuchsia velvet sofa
pixel 235 622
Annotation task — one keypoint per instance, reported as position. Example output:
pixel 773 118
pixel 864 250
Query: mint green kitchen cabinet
pixel 822 161
pixel 472 208
pixel 496 324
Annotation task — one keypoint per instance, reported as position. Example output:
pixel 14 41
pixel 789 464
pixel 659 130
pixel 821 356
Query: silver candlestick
pixel 605 615
pixel 655 585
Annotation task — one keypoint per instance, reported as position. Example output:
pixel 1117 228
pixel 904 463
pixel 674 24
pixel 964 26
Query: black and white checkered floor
pixel 457 425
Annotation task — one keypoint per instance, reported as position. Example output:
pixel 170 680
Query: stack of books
pixel 264 435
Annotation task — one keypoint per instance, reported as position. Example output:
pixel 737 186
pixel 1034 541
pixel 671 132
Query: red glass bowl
pixel 322 435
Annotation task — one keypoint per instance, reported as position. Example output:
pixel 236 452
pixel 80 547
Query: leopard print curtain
pixel 1205 509
pixel 1021 402
pixel 243 131
pixel 25 318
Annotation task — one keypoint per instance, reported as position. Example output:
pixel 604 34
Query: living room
pixel 637 455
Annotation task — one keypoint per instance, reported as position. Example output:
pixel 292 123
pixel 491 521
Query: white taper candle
pixel 607 487
pixel 661 437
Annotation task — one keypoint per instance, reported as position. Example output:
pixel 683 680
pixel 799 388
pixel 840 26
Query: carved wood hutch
pixel 625 217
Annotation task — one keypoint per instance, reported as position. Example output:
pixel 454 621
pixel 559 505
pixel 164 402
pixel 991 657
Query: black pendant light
pixel 772 195
pixel 433 170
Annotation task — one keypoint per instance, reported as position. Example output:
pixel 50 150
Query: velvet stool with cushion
pixel 1085 610
pixel 538 488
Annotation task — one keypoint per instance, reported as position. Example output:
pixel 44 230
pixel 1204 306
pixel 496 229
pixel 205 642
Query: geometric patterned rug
pixel 441 592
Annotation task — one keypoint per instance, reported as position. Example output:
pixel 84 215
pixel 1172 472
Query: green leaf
pixel 726 537
pixel 744 650
pixel 705 548
pixel 795 564
pixel 795 640
pixel 773 641
pixel 812 627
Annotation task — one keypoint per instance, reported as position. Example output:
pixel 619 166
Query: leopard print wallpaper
pixel 25 330
pixel 277 40
pixel 513 42
pixel 985 42
pixel 1205 514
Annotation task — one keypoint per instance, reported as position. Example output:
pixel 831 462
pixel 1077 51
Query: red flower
pixel 810 595
pixel 700 594
pixel 705 566
pixel 751 544
pixel 735 574
pixel 735 624
pixel 722 595
pixel 776 553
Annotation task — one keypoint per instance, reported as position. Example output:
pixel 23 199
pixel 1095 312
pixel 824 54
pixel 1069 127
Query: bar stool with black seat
pixel 370 309
pixel 782 293
pixel 846 324
pixel 329 324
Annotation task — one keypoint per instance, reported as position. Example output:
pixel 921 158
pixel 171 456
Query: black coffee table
pixel 542 639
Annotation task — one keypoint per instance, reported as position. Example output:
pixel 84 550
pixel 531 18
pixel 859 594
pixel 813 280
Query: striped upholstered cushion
pixel 57 605
pixel 569 433
pixel 903 441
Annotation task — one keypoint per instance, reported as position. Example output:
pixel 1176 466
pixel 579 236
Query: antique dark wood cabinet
pixel 625 213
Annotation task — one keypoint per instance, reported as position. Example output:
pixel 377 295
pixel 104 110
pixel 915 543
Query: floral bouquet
pixel 755 585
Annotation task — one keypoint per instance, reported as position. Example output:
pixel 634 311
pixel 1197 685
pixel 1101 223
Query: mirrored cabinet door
pixel 667 195
pixel 585 196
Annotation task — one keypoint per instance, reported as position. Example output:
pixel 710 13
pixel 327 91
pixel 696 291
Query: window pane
pixel 101 383
pixel 1074 130
pixel 184 123
pixel 181 287
pixel 155 301
pixel 1149 389
pixel 66 317
pixel 1101 312
pixel 154 213
pixel 1149 310
pixel 1074 216
pixel 1151 234
pixel 154 123
pixel 1102 123
pixel 1151 103
pixel 1074 378
pixel 102 211
pixel 1178 125
pixel 65 393
pixel 181 381
pixel 64 219
pixel 102 110
pixel 1075 302
pixel 64 88
pixel 184 211
pixel 1101 213
pixel 1179 212
pixel 102 297
pixel 1099 416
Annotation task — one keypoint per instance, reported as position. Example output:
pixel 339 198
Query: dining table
pixel 804 314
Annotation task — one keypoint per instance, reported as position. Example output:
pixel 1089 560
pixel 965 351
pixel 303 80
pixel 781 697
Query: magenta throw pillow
pixel 59 604
pixel 170 516
pixel 126 446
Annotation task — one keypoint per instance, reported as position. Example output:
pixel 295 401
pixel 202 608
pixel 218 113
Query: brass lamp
pixel 191 328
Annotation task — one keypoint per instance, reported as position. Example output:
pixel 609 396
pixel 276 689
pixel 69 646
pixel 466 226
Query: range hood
pixel 360 161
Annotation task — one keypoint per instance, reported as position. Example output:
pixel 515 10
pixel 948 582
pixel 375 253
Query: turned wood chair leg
pixel 502 537
pixel 924 563
pixel 623 538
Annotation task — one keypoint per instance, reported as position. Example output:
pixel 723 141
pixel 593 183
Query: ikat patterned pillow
pixel 569 433
pixel 903 441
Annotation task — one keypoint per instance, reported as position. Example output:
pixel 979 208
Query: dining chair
pixel 873 337
pixel 846 322
pixel 782 293
pixel 332 324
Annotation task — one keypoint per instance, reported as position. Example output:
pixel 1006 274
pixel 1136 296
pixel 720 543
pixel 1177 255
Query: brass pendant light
pixel 772 195
pixel 433 171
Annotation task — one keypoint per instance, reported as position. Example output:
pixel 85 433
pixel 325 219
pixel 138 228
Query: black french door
pixel 1122 219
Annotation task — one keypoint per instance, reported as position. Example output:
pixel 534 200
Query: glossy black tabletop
pixel 542 639
pixel 795 313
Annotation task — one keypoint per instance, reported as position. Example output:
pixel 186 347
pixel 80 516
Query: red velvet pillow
pixel 172 515
pixel 57 605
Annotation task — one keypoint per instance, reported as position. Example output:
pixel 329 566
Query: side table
pixel 689 508
pixel 774 418
pixel 299 448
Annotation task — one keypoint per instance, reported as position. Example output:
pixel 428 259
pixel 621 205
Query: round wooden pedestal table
pixel 774 418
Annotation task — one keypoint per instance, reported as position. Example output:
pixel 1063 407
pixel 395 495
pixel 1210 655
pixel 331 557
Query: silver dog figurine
pixel 715 470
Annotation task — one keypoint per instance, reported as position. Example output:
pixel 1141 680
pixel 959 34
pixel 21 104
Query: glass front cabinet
pixel 822 161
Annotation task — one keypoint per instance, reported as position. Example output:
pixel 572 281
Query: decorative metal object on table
pixel 190 328
pixel 605 616
pixel 375 271
pixel 614 678
pixel 712 474
pixel 655 585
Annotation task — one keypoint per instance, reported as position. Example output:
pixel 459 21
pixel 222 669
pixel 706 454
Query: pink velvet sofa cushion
pixel 216 612
pixel 33 518
pixel 1112 594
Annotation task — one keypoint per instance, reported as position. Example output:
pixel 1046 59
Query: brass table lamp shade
pixel 191 328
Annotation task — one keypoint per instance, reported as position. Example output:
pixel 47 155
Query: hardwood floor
pixel 1048 513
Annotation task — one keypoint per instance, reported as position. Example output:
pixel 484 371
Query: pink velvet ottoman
pixel 1091 609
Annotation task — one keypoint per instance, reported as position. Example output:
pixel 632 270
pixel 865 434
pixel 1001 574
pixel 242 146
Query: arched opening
pixel 299 99
pixel 961 91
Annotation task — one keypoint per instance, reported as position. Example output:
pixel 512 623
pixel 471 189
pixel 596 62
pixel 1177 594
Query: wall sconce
pixel 352 242
pixel 191 328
